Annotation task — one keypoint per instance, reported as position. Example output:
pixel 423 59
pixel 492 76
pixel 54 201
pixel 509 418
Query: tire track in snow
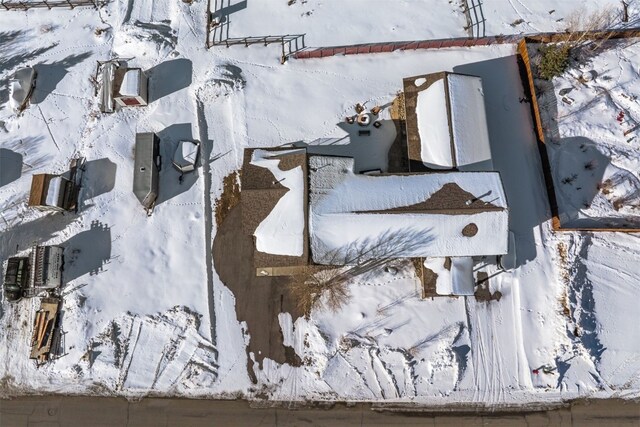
pixel 521 16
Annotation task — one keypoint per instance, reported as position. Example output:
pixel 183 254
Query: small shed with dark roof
pixel 146 169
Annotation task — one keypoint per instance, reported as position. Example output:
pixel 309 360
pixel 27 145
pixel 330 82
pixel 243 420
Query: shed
pixel 46 263
pixel 147 166
pixel 186 156
pixel 16 278
pixel 51 193
pixel 130 87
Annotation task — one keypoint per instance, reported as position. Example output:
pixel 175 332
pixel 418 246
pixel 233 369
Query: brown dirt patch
pixel 398 160
pixel 230 196
pixel 563 299
pixel 259 300
pixel 482 292
pixel 429 283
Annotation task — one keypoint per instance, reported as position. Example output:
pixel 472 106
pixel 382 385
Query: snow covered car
pixel 21 87
pixel 186 156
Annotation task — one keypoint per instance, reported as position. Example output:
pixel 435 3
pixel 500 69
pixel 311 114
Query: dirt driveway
pixel 259 300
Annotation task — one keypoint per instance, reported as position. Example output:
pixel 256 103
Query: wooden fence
pixel 368 48
pixel 530 89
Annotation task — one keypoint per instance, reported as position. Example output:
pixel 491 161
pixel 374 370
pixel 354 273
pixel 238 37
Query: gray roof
pixel 146 172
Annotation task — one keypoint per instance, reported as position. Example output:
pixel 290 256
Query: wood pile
pixel 44 328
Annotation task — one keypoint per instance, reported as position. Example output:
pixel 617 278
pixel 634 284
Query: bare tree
pixel 320 287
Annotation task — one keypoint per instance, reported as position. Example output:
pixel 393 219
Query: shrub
pixel 554 59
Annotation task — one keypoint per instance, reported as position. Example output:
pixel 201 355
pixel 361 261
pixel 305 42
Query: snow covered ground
pixel 144 309
pixel 592 115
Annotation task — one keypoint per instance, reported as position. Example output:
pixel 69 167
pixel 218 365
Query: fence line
pixel 290 43
pixel 530 93
pixel 385 47
pixel 50 4
pixel 526 76
pixel 476 5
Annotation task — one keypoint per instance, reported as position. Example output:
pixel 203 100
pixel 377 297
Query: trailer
pixel 146 173
pixel 40 272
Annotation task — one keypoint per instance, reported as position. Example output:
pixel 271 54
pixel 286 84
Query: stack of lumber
pixel 44 326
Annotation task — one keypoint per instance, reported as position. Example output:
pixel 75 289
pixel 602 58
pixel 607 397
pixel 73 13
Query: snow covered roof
pixel 453 275
pixel 130 85
pixel 446 122
pixel 47 190
pixel 274 205
pixel 354 217
pixel 186 155
pixel 54 192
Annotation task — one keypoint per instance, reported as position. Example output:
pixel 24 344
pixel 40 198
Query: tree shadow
pixel 26 234
pixel 49 75
pixel 10 166
pixel 99 177
pixel 369 146
pixel 514 149
pixel 87 251
pixel 169 77
pixel 172 182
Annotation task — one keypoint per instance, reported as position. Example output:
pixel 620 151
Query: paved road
pixel 91 411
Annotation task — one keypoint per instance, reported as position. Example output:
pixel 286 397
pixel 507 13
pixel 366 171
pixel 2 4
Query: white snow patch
pixel 469 123
pixel 433 126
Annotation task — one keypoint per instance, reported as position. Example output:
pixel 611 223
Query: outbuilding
pixel 52 193
pixel 186 156
pixel 121 85
pixel 147 164
pixel 130 87
pixel 40 271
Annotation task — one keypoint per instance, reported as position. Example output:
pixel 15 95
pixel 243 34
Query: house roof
pixel 274 205
pixel 446 123
pixel 356 216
